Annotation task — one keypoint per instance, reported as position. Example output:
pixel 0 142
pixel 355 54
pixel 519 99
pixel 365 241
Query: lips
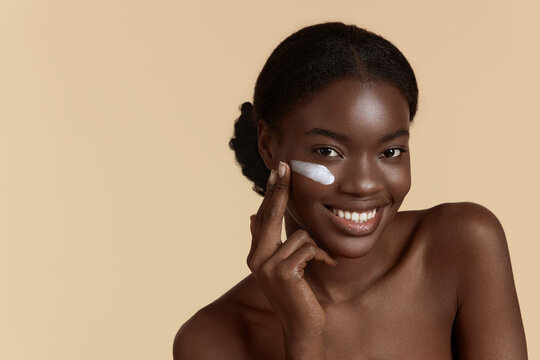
pixel 356 222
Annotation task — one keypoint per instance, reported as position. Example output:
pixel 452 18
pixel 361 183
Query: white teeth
pixel 363 216
pixel 354 216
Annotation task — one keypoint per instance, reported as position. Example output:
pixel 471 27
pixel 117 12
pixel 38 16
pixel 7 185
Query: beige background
pixel 122 211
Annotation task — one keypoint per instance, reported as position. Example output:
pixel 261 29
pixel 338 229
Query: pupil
pixel 325 151
pixel 390 153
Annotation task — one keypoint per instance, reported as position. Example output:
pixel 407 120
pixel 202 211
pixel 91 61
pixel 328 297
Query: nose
pixel 363 177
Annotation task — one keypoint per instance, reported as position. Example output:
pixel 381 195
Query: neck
pixel 351 278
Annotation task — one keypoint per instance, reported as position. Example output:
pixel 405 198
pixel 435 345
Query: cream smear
pixel 315 172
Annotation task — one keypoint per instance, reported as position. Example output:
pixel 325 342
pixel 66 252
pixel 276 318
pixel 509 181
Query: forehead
pixel 351 106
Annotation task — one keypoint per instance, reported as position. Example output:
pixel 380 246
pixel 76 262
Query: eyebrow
pixel 327 133
pixel 394 135
pixel 342 137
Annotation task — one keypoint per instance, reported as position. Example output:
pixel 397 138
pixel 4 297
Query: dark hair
pixel 303 64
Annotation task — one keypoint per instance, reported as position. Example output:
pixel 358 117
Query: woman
pixel 326 144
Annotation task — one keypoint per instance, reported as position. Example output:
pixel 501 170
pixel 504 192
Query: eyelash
pixel 401 151
pixel 319 149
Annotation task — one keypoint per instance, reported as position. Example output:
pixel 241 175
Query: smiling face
pixel 360 132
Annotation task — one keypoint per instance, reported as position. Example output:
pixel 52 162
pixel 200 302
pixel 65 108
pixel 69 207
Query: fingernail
pixel 272 178
pixel 281 169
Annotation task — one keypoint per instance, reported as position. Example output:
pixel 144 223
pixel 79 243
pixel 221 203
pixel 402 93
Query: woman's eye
pixel 392 153
pixel 327 152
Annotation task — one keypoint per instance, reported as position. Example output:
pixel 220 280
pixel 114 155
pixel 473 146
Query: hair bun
pixel 247 109
pixel 244 144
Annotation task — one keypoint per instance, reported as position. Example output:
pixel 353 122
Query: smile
pixel 356 223
pixel 355 216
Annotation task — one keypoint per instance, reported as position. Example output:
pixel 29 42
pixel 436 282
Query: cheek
pixel 304 190
pixel 306 196
pixel 399 180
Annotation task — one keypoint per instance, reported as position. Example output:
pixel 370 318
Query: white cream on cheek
pixel 315 172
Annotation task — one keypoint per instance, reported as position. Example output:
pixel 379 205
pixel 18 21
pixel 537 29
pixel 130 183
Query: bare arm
pixel 488 324
pixel 210 335
pixel 196 340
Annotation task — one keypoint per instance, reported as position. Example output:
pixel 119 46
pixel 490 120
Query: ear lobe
pixel 265 142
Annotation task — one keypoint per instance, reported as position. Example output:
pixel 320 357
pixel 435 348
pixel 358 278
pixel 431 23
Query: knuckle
pixel 280 186
pixel 300 236
pixel 270 213
pixel 310 248
pixel 269 191
pixel 301 233
pixel 265 270
pixel 305 236
pixel 283 273
pixel 253 263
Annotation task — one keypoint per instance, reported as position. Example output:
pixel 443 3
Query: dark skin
pixel 428 284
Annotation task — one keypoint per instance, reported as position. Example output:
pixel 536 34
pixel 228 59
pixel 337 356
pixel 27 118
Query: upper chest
pixel 407 314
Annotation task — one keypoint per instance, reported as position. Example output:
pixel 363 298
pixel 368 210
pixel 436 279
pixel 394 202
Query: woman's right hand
pixel 279 267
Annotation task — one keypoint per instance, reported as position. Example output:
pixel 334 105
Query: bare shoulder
pixel 219 330
pixel 462 236
pixel 464 226
pixel 471 242
pixel 211 333
pixel 451 230
pixel 457 217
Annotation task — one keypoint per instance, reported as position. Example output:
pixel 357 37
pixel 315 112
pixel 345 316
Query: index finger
pixel 268 224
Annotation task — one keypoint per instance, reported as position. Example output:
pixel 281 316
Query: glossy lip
pixel 357 229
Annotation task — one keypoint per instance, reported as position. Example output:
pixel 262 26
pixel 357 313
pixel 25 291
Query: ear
pixel 267 143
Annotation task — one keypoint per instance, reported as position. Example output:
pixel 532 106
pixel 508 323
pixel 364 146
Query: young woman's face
pixel 360 132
